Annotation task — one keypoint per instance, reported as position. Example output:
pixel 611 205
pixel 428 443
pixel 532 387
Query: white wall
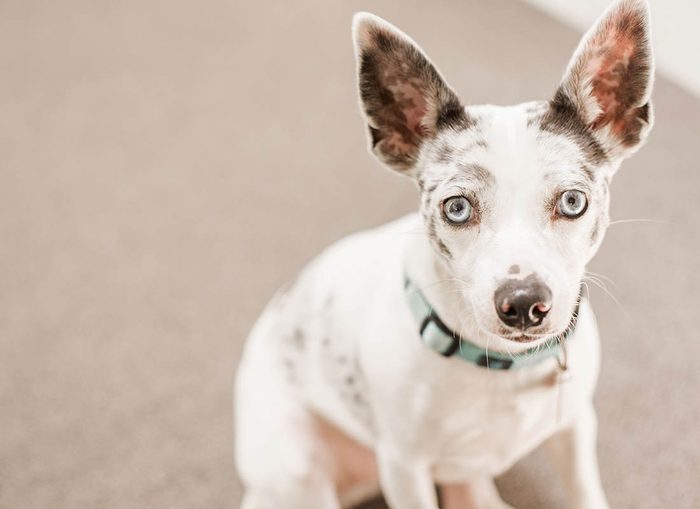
pixel 676 34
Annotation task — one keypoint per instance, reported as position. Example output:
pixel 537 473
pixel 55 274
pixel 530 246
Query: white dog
pixel 442 348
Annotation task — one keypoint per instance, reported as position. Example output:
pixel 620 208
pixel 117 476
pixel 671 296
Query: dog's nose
pixel 523 303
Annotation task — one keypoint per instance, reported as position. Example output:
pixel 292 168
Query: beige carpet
pixel 164 166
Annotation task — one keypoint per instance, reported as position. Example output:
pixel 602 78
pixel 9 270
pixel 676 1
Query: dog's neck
pixel 444 292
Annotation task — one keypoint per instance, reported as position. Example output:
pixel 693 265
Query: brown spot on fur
pixel 436 240
pixel 444 153
pixel 595 232
pixel 298 339
pixel 443 248
pixel 478 143
pixel 290 370
pixel 590 174
pixel 514 269
pixel 535 111
pixel 562 118
pixel 477 173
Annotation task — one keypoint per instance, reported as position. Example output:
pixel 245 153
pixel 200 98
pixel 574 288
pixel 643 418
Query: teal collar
pixel 438 337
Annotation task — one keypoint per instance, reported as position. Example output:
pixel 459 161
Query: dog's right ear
pixel 403 96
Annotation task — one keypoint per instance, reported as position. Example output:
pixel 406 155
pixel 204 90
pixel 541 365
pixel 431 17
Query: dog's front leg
pixel 406 483
pixel 475 494
pixel 574 450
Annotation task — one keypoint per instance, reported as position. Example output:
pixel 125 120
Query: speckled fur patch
pixel 561 118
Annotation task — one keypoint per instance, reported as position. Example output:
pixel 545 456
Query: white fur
pixel 339 348
pixel 429 413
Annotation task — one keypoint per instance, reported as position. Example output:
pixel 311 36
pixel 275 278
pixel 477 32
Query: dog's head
pixel 514 199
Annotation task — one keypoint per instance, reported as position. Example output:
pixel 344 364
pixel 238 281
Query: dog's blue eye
pixel 572 204
pixel 457 210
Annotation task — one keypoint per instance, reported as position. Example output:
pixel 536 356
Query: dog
pixel 440 349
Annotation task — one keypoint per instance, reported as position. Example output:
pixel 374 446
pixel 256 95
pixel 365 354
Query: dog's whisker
pixel 596 281
pixel 599 275
pixel 479 331
pixel 609 294
pixel 426 286
pixel 641 220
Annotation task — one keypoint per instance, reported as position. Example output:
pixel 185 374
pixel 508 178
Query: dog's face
pixel 514 199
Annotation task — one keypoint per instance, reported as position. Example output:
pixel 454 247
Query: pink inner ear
pixel 403 116
pixel 613 59
pixel 410 101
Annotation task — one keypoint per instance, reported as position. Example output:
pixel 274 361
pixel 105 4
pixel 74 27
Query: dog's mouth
pixel 522 337
pixel 527 337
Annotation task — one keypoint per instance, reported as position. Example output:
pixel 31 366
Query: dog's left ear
pixel 609 80
pixel 403 96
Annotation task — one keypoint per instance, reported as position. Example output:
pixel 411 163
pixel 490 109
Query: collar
pixel 438 337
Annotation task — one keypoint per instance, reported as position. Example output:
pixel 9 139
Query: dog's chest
pixel 486 429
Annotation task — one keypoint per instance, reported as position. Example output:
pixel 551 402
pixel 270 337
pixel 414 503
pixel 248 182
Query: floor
pixel 166 165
